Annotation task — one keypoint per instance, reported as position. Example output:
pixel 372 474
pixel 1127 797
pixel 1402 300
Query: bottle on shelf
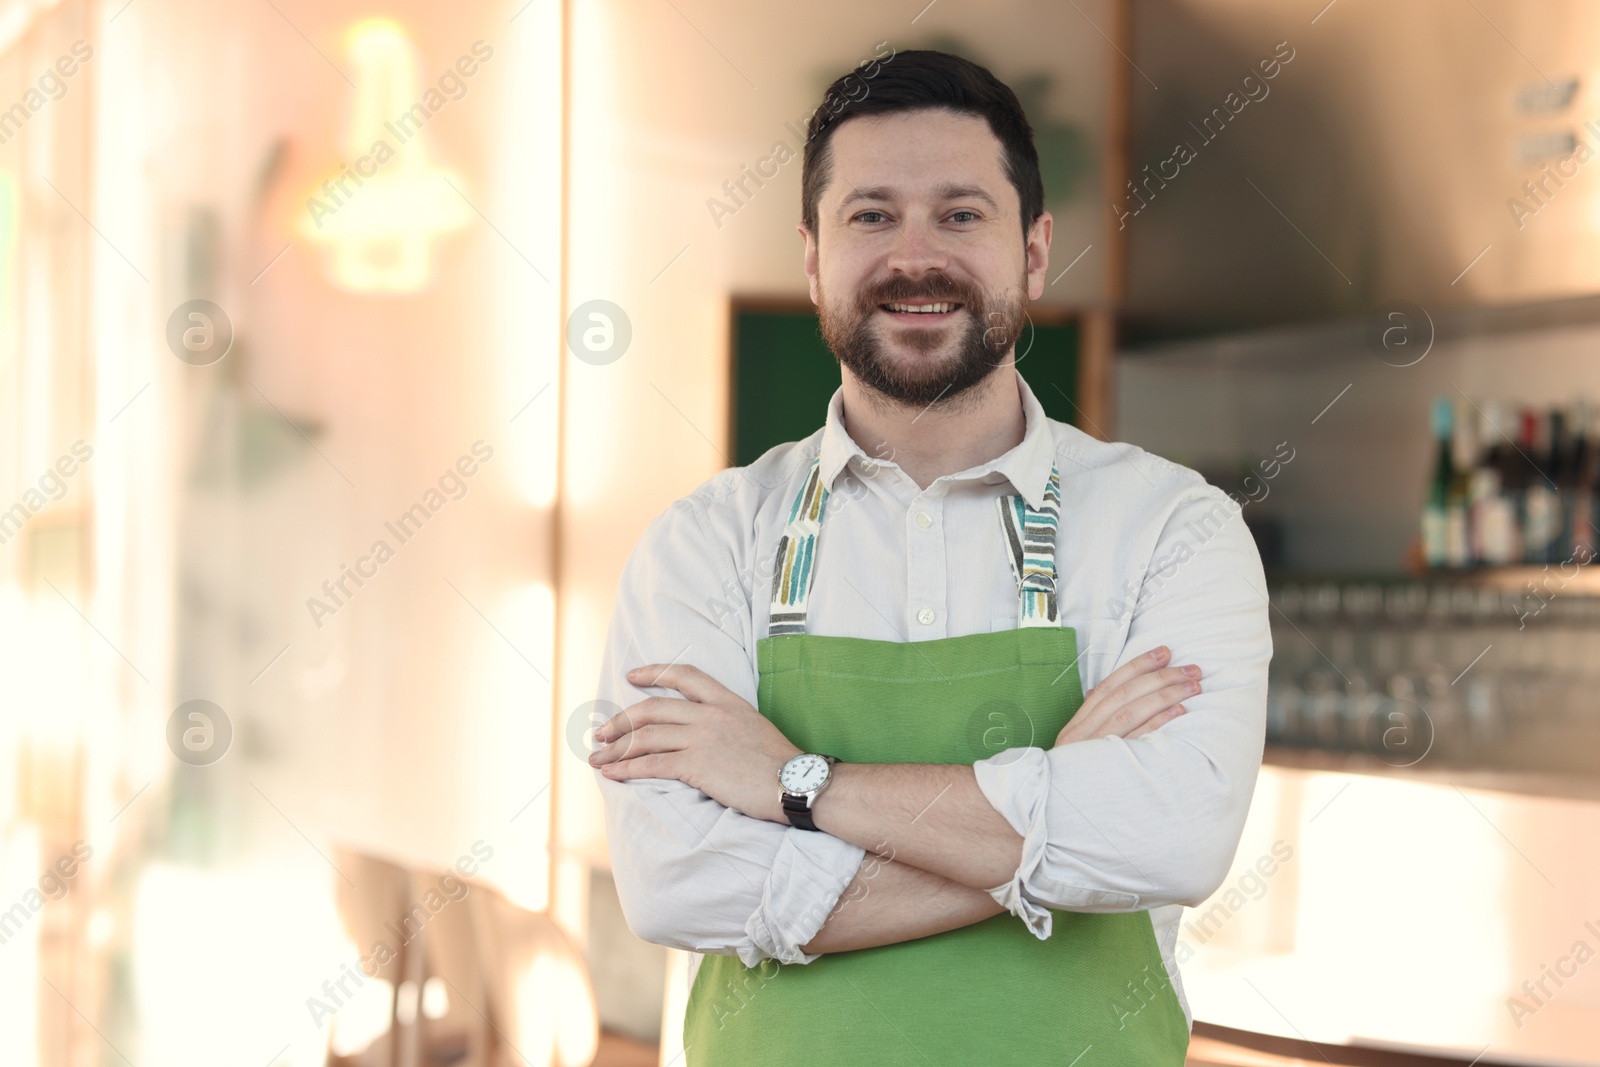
pixel 1512 484
pixel 1514 474
pixel 1463 458
pixel 1579 515
pixel 1435 513
pixel 1541 503
pixel 1491 514
pixel 1561 476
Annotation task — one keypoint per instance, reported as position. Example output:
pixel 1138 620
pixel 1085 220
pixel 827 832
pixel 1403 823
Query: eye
pixel 864 214
pixel 964 211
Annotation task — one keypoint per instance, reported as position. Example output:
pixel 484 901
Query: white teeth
pixel 922 309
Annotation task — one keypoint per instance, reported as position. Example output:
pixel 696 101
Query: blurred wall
pixel 406 714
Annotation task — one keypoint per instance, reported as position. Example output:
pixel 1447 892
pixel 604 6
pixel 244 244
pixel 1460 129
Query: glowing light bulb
pixel 380 214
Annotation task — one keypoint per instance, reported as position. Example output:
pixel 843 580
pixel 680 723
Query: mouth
pixel 930 312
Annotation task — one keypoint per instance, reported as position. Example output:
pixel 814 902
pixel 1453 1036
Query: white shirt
pixel 1147 553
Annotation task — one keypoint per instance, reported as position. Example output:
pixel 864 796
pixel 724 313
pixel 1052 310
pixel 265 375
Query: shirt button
pixel 925 616
pixel 923 520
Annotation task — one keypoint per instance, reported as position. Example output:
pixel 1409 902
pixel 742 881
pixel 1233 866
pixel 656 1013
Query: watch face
pixel 804 773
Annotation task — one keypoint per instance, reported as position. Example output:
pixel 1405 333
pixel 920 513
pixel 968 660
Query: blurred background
pixel 346 349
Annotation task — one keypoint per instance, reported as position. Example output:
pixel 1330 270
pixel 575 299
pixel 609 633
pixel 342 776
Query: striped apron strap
pixel 1030 537
pixel 792 569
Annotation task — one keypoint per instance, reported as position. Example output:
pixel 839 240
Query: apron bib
pixel 987 993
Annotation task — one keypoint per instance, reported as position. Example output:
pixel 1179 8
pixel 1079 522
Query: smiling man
pixel 870 793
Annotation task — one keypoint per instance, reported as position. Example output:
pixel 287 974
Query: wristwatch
pixel 802 778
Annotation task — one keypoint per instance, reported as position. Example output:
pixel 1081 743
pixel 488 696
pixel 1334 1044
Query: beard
pixel 976 337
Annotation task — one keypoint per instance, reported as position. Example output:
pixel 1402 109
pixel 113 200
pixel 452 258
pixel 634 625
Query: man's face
pixel 919 212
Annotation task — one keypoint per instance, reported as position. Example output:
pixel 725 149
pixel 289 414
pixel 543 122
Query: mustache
pixel 895 294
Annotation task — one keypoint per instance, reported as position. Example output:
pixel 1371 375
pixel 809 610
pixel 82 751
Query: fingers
pixel 1137 697
pixel 1130 704
pixel 1156 722
pixel 645 740
pixel 689 680
pixel 654 726
pixel 619 724
pixel 1144 684
pixel 1135 668
pixel 650 766
pixel 1130 712
pixel 650 709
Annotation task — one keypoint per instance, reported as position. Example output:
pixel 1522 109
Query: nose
pixel 915 249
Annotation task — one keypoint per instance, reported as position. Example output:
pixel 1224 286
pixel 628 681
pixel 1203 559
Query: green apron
pixel 987 993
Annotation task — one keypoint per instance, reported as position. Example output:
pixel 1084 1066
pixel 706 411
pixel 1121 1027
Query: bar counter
pixel 1432 911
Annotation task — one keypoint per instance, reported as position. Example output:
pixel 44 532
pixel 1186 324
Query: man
pixel 913 597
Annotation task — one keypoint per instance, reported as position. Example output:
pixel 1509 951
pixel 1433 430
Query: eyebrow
pixel 948 191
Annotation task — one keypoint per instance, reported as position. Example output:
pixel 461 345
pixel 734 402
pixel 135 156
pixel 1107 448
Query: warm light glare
pixel 527 201
pixel 598 200
pixel 435 998
pixel 10 220
pixel 20 861
pixel 363 1018
pixel 556 1011
pixel 1362 885
pixel 1462 971
pixel 380 214
pixel 225 962
pixel 514 755
pixel 17 16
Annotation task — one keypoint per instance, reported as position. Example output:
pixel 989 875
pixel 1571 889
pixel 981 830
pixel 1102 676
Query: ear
pixel 810 261
pixel 1038 254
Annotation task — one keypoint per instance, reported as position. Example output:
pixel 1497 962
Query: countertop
pixel 1404 909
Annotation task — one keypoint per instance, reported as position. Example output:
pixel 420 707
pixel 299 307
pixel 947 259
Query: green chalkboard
pixel 783 375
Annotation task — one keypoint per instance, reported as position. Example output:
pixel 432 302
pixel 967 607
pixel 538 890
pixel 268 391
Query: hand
pixel 714 740
pixel 1138 697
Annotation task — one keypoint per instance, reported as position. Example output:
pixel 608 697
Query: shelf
pixel 1573 577
pixel 1522 783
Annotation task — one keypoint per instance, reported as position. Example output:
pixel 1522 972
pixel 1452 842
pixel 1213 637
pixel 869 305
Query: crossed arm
pixel 911 850
pixel 937 842
pixel 888 902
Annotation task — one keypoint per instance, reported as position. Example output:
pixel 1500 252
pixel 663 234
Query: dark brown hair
pixel 916 80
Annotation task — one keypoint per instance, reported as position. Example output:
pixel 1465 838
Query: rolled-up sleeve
pixel 1118 825
pixel 691 873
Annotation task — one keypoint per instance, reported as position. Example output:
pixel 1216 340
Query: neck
pixel 945 437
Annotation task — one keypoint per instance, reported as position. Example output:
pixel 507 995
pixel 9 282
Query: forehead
pixel 915 153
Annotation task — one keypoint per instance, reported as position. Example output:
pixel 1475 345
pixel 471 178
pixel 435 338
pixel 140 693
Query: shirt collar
pixel 1027 466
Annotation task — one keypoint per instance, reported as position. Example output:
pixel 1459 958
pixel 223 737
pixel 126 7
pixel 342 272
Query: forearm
pixel 927 815
pixel 890 902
